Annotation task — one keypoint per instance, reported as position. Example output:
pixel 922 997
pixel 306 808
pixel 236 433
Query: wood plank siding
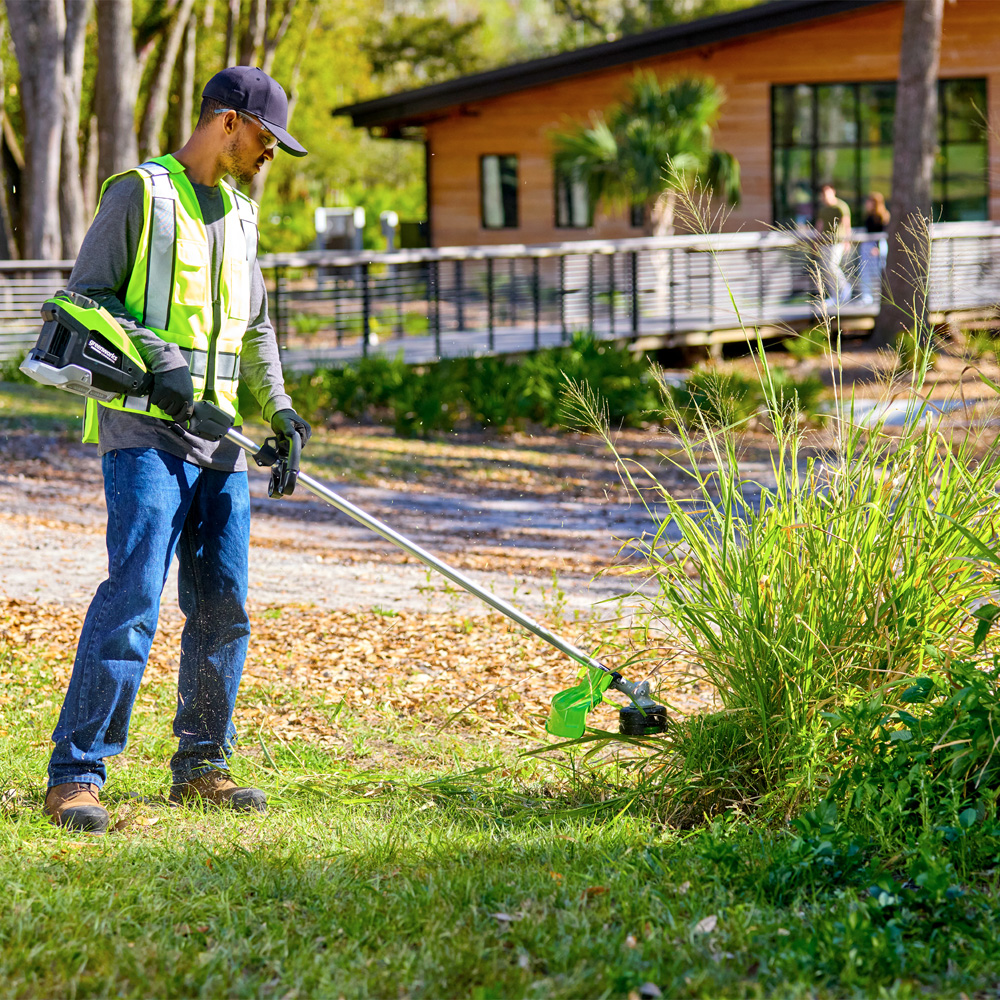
pixel 856 46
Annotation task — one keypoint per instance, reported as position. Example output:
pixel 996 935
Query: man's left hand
pixel 285 423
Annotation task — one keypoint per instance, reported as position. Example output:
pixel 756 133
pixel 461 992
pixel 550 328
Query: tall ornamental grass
pixel 789 596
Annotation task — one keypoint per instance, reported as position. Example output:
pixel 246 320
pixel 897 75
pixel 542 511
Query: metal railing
pixel 329 307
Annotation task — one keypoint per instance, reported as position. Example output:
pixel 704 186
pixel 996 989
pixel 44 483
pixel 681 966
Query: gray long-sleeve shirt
pixel 102 271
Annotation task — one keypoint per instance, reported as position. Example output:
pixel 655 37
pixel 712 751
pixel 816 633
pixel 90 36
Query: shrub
pixel 493 392
pixel 10 371
pixel 728 399
pixel 813 342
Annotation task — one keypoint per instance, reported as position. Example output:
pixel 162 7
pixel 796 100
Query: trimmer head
pixel 568 712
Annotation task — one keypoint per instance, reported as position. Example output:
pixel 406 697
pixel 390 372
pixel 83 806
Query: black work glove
pixel 285 423
pixel 173 392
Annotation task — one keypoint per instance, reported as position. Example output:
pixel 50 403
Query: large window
pixel 573 210
pixel 842 133
pixel 498 191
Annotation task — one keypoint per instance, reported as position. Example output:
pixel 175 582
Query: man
pixel 833 225
pixel 172 254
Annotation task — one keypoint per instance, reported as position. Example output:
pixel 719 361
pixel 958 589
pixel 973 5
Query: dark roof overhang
pixel 413 106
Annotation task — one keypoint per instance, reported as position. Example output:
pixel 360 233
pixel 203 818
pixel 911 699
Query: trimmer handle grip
pixel 285 470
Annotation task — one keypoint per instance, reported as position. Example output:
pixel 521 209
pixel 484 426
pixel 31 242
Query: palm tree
pixel 649 148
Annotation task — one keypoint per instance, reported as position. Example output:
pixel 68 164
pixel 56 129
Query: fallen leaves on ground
pixel 307 668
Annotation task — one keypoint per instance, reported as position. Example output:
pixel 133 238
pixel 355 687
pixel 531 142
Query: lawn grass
pixel 450 867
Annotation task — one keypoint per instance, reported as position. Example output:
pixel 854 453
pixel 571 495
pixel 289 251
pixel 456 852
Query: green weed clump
pixel 802 591
pixel 813 342
pixel 729 399
pixel 918 758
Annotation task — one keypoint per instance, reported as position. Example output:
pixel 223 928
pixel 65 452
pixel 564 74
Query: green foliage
pixel 919 757
pixel 431 47
pixel 490 392
pixel 915 353
pixel 811 343
pixel 729 399
pixel 10 371
pixel 796 596
pixel 594 21
pixel 659 138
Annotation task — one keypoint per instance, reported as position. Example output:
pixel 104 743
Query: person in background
pixel 833 228
pixel 873 251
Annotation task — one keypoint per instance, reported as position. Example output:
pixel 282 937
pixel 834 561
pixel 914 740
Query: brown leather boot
pixel 217 788
pixel 75 805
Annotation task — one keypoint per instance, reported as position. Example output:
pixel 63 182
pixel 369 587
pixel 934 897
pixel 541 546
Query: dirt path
pixel 535 547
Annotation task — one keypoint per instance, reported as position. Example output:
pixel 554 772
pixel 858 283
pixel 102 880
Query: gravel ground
pixel 303 551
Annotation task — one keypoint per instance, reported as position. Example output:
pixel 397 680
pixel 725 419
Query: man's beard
pixel 240 173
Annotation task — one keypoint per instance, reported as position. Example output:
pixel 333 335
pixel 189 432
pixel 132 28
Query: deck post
pixel 460 293
pixel 366 309
pixel 536 299
pixel 590 293
pixel 279 325
pixel 489 304
pixel 435 275
pixel 563 332
pixel 398 272
pixel 611 292
pixel 512 291
pixel 634 263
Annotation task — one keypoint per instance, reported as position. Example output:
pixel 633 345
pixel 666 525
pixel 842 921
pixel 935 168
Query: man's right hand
pixel 173 392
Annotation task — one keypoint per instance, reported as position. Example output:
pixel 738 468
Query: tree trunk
pixel 38 31
pixel 90 170
pixel 72 207
pixel 185 113
pixel 116 89
pixel 660 222
pixel 904 297
pixel 270 47
pixel 271 44
pixel 159 89
pixel 8 243
pixel 252 43
pixel 232 32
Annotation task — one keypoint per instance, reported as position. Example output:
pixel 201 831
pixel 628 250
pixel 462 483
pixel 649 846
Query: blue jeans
pixel 159 504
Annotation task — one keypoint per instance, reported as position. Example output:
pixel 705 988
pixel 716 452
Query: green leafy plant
pixel 813 342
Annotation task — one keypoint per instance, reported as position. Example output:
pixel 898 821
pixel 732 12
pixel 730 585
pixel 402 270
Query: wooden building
pixel 810 93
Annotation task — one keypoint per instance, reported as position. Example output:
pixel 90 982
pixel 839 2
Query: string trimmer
pixel 83 349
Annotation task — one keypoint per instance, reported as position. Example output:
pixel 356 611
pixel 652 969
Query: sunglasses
pixel 267 140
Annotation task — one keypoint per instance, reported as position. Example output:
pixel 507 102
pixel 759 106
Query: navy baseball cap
pixel 246 88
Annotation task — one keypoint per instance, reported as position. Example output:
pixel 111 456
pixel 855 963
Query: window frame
pixel 815 145
pixel 560 178
pixel 506 224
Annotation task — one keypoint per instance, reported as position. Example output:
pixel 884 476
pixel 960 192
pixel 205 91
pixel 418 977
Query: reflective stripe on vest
pixel 160 255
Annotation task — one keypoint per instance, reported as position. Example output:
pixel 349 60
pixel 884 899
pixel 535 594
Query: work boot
pixel 217 788
pixel 75 806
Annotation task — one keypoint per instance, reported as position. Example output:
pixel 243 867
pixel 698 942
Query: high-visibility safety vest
pixel 170 288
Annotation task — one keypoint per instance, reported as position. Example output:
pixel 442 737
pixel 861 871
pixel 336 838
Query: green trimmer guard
pixel 568 714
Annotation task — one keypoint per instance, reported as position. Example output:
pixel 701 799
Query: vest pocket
pixel 239 290
pixel 191 280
